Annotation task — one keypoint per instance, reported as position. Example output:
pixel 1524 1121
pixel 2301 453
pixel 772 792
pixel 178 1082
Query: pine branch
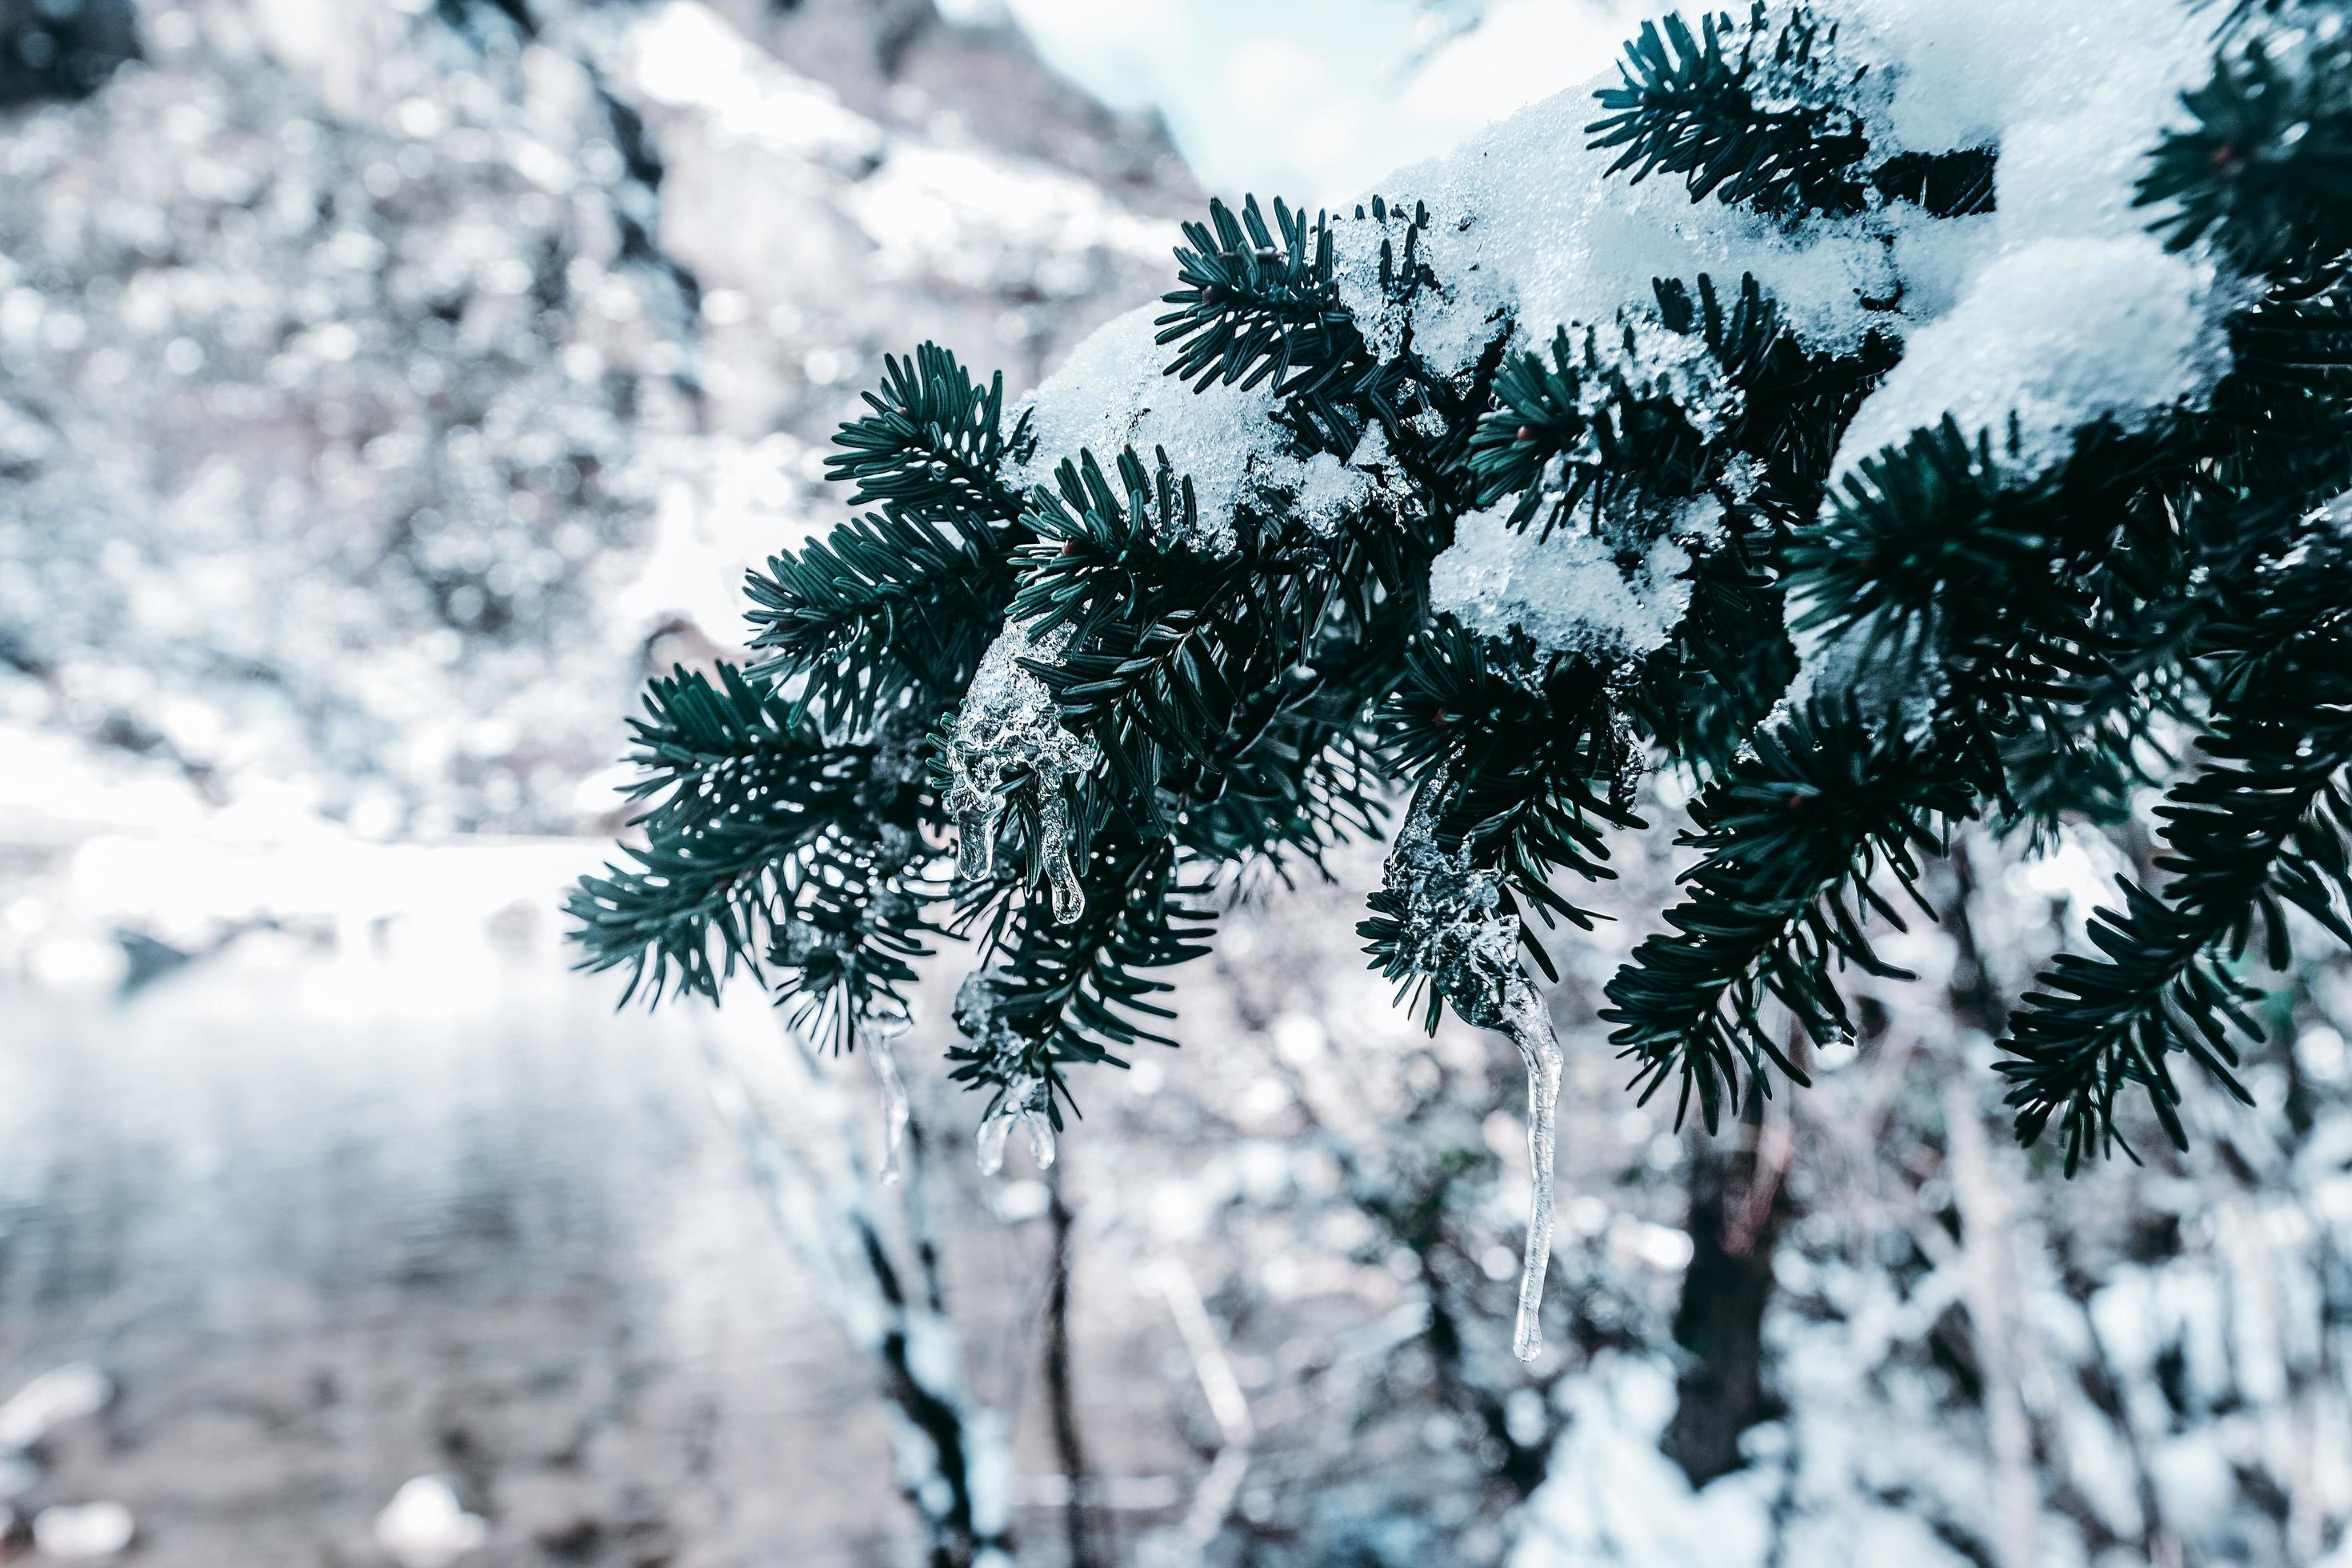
pixel 1222 690
pixel 1259 302
pixel 1098 551
pixel 2282 419
pixel 1642 408
pixel 912 596
pixel 2267 168
pixel 1050 994
pixel 2010 599
pixel 2266 826
pixel 763 841
pixel 1748 112
pixel 883 603
pixel 1793 839
pixel 1957 183
pixel 1536 762
pixel 934 443
pixel 1729 661
pixel 2004 638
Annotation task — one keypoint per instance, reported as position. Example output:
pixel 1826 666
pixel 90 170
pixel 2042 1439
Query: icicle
pixel 989 1142
pixel 1054 849
pixel 1453 931
pixel 1024 1101
pixel 976 841
pixel 1529 1023
pixel 1040 1128
pixel 895 1113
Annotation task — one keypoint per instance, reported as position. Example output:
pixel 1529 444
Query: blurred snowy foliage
pixel 380 380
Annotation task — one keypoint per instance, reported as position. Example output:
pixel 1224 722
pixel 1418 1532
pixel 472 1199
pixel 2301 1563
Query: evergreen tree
pixel 1917 483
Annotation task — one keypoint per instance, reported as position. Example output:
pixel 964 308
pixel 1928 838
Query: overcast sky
pixel 1315 98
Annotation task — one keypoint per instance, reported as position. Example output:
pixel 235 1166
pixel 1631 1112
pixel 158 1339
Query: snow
pixel 72 1392
pixel 2056 311
pixel 1327 490
pixel 1611 1498
pixel 2057 307
pixel 685 55
pixel 2064 310
pixel 2047 338
pixel 2053 312
pixel 1528 234
pixel 1568 591
pixel 1111 394
pixel 83 1533
pixel 425 1525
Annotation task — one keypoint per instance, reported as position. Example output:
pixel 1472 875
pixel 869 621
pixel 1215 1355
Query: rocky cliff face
pixel 386 382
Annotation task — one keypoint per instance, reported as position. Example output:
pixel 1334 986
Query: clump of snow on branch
pixel 1527 233
pixel 2046 338
pixel 1112 395
pixel 2054 311
pixel 1329 489
pixel 2058 306
pixel 1568 591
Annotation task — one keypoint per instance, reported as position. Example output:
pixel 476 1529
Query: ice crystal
pixel 1007 742
pixel 1024 1100
pixel 880 1035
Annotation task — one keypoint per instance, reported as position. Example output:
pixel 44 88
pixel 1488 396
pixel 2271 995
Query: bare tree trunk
pixel 955 1462
pixel 1990 1286
pixel 1738 1200
pixel 1981 1192
pixel 1060 1388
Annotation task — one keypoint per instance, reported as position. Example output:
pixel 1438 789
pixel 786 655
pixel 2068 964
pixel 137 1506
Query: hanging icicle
pixel 1528 1021
pixel 976 830
pixel 1024 1101
pixel 895 1113
pixel 1054 849
pixel 1451 926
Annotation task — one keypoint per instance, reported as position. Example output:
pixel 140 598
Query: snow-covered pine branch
pixel 1889 413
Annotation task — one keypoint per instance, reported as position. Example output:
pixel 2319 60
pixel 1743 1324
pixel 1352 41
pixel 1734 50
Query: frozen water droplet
pixel 895 1113
pixel 989 1142
pixel 1040 1128
pixel 1024 1101
pixel 1529 1023
pixel 1054 849
pixel 976 842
